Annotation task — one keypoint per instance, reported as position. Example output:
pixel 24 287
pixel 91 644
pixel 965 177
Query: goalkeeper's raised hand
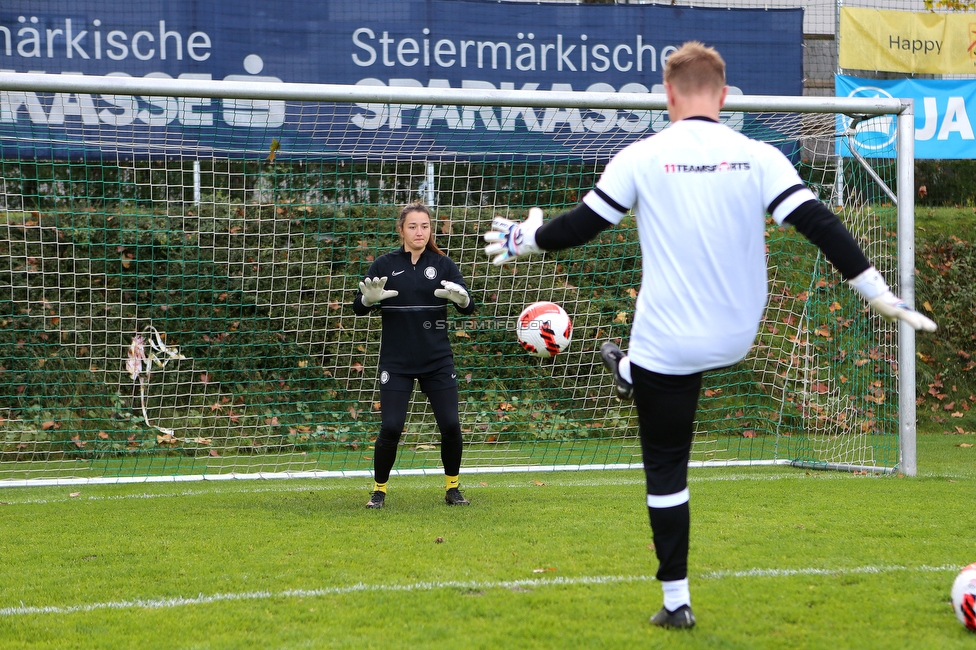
pixel 453 292
pixel 874 289
pixel 374 290
pixel 510 239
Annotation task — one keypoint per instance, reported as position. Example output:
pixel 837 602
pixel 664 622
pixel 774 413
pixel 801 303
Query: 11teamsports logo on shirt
pixel 671 168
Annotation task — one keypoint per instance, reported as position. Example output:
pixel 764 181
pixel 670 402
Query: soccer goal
pixel 178 259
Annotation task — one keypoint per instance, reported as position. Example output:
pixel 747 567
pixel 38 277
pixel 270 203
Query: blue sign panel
pixel 943 129
pixel 409 43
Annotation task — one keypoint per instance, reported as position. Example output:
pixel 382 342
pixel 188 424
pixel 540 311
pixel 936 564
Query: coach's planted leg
pixel 670 527
pixel 666 406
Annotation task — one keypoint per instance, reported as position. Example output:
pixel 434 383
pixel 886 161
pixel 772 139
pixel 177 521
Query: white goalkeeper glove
pixel 374 290
pixel 453 292
pixel 874 289
pixel 510 239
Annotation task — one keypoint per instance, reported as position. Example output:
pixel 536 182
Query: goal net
pixel 175 296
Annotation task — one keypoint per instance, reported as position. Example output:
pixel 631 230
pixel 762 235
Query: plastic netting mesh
pixel 169 308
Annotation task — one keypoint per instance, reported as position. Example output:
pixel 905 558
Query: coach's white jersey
pixel 699 191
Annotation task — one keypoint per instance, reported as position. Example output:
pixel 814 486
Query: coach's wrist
pixel 869 284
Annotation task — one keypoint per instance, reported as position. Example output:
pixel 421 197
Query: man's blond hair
pixel 695 68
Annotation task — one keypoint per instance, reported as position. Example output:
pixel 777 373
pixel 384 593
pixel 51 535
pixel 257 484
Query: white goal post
pixel 275 265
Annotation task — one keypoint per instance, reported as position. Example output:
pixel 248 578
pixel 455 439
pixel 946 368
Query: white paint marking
pixel 167 603
pixel 247 487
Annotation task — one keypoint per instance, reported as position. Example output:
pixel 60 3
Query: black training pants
pixel 394 403
pixel 666 406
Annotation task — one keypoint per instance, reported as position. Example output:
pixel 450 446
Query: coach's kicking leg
pixel 666 406
pixel 618 364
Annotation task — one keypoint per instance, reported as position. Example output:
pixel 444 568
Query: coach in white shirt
pixel 700 192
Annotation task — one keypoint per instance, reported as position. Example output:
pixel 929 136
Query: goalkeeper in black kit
pixel 700 193
pixel 412 287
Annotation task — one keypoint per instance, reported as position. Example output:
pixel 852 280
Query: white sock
pixel 676 594
pixel 623 367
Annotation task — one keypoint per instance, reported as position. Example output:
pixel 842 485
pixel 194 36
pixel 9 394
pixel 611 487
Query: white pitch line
pixel 168 603
pixel 329 484
pixel 864 570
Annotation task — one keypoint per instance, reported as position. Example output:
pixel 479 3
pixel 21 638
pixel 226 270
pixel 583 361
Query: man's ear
pixel 669 91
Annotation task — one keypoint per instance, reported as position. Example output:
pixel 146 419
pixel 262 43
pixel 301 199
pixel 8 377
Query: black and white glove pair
pixel 374 290
pixel 508 240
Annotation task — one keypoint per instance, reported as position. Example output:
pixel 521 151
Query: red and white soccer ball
pixel 544 329
pixel 964 596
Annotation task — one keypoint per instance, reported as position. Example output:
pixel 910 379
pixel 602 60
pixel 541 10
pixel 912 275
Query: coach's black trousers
pixel 666 406
pixel 394 404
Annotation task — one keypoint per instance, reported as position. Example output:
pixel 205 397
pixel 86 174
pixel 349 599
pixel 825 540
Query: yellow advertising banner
pixel 906 41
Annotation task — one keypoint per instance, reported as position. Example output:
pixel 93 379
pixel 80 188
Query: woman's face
pixel 415 231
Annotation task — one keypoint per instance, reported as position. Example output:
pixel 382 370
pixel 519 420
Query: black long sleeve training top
pixel 812 219
pixel 415 326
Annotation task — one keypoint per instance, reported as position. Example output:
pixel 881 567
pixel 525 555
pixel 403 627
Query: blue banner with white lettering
pixel 411 43
pixel 943 129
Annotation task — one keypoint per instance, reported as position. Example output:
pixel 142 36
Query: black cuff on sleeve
pixel 358 307
pixel 822 227
pixel 578 226
pixel 469 309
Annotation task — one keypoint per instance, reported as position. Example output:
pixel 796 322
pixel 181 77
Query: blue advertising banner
pixel 943 129
pixel 412 43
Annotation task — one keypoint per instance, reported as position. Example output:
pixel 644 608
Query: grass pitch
pixel 780 558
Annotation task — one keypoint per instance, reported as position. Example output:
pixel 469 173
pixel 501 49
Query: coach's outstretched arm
pixel 508 239
pixel 822 227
